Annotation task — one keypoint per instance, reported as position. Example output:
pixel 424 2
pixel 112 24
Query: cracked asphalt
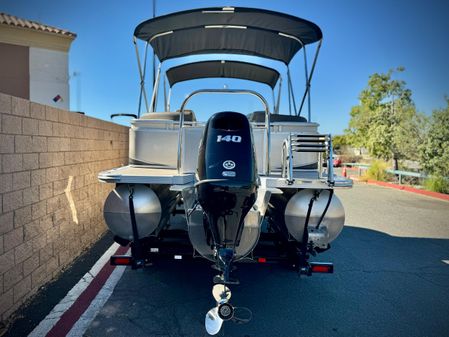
pixel 390 280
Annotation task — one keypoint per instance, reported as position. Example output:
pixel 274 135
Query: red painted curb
pixel 73 314
pixel 410 189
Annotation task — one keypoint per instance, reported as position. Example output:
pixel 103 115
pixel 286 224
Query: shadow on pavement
pixel 382 286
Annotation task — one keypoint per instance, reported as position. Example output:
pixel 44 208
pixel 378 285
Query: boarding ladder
pixel 307 142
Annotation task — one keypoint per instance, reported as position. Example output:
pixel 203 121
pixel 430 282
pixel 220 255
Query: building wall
pixel 49 76
pixel 15 70
pixel 50 199
pixel 34 65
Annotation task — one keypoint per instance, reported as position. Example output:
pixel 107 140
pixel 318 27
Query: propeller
pixel 217 315
pixel 214 319
pixel 213 322
pixel 224 311
pixel 221 293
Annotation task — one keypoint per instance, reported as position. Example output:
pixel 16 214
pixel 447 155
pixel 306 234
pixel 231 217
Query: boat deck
pixel 133 174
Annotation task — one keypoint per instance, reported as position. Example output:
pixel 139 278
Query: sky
pixel 359 39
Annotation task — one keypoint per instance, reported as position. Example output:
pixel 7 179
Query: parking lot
pixel 390 280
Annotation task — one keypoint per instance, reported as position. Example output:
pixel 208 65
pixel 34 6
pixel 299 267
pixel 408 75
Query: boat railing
pixel 233 92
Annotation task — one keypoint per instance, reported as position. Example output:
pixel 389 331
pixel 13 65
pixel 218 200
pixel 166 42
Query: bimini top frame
pixel 230 30
pixel 220 69
pixel 227 69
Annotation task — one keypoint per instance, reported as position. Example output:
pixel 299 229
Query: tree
pixel 385 122
pixel 434 150
pixel 339 141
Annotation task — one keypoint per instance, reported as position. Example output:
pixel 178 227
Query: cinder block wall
pixel 50 199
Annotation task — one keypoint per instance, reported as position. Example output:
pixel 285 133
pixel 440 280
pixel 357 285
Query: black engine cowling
pixel 227 175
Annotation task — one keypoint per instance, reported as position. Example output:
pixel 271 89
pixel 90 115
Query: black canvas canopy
pixel 227 69
pixel 228 30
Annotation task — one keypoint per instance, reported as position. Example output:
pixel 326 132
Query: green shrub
pixel 437 184
pixel 377 171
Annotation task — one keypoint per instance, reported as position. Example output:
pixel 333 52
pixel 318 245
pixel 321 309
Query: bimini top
pixel 227 69
pixel 228 30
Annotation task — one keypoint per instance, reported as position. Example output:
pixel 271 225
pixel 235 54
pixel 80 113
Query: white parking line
pixel 80 327
pixel 53 317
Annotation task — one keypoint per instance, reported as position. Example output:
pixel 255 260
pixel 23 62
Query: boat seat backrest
pixel 259 117
pixel 155 142
pixel 189 116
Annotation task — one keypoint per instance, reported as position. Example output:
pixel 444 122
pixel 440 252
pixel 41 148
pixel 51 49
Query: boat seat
pixel 189 116
pixel 259 117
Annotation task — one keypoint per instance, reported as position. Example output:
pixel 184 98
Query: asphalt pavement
pixel 391 279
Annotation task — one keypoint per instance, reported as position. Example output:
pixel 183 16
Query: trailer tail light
pixel 119 260
pixel 262 260
pixel 321 267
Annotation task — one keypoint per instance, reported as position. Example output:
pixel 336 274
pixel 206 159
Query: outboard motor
pixel 227 182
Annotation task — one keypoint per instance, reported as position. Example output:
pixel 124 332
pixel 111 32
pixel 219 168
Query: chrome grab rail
pixel 226 91
pixel 330 161
pixel 287 160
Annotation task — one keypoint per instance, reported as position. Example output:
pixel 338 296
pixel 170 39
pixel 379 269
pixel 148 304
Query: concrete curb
pixel 431 194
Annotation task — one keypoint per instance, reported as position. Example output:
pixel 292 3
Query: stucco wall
pixel 50 199
pixel 49 76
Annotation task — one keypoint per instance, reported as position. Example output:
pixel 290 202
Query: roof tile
pixel 12 20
